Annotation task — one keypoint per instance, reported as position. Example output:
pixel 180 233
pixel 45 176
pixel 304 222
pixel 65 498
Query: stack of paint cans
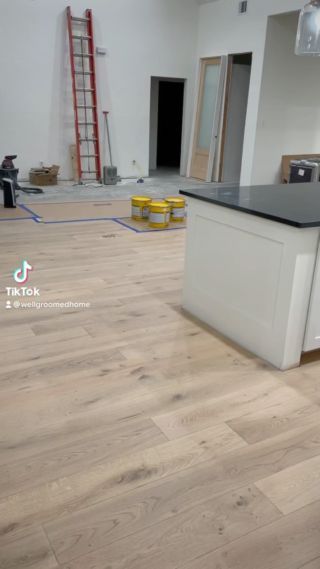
pixel 159 212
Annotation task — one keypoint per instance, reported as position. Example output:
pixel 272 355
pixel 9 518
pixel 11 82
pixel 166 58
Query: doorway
pixel 166 120
pixel 220 118
pixel 234 117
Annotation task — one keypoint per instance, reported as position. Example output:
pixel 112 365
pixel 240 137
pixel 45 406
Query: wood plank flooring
pixel 131 437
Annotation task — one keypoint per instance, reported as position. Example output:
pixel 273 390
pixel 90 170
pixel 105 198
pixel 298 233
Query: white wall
pixel 222 31
pixel 144 38
pixel 289 110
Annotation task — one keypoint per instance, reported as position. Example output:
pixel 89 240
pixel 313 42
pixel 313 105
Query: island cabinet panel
pixel 251 279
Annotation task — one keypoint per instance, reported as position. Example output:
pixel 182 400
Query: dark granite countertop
pixel 291 204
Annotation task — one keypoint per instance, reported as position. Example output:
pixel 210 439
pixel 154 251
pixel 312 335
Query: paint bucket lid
pixel 162 206
pixel 179 202
pixel 140 200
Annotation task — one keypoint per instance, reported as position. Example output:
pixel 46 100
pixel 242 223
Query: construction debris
pixel 46 176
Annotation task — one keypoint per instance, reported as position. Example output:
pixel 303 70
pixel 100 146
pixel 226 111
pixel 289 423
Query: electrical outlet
pixel 101 50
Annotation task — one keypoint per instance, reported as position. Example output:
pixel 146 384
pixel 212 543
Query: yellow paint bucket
pixel 178 208
pixel 140 207
pixel 159 214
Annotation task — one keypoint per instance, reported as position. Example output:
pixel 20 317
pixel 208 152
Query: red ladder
pixel 84 89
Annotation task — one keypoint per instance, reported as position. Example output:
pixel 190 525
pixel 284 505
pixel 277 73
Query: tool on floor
pixel 83 74
pixel 110 173
pixel 9 194
pixel 140 180
pixel 7 162
pixel 9 171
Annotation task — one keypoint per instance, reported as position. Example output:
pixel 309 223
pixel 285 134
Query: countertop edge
pixel 262 215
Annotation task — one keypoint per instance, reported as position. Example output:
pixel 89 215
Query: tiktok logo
pixel 21 275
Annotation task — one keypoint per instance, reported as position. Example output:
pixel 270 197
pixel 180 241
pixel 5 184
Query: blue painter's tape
pixel 38 219
pixel 16 219
pixel 79 220
pixel 157 230
pixel 25 208
pixel 120 222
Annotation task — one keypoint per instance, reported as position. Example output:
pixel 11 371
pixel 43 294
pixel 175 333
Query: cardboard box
pixel 46 176
pixel 286 159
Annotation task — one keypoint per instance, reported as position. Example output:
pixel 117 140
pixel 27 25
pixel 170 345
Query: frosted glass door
pixel 208 102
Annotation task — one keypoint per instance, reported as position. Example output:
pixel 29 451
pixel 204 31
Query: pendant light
pixel 308 36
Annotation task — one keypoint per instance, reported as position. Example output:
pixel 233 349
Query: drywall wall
pixel 236 120
pixel 143 38
pixel 223 31
pixel 289 110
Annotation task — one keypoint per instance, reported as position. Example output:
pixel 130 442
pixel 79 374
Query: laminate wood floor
pixel 131 437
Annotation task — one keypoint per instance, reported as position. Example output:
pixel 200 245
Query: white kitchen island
pixel 253 269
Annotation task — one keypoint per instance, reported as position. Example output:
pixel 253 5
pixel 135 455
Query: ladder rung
pixel 83 123
pixel 84 90
pixel 74 37
pixel 86 106
pixel 88 155
pixel 88 55
pixel 88 139
pixel 83 20
pixel 89 171
pixel 84 72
